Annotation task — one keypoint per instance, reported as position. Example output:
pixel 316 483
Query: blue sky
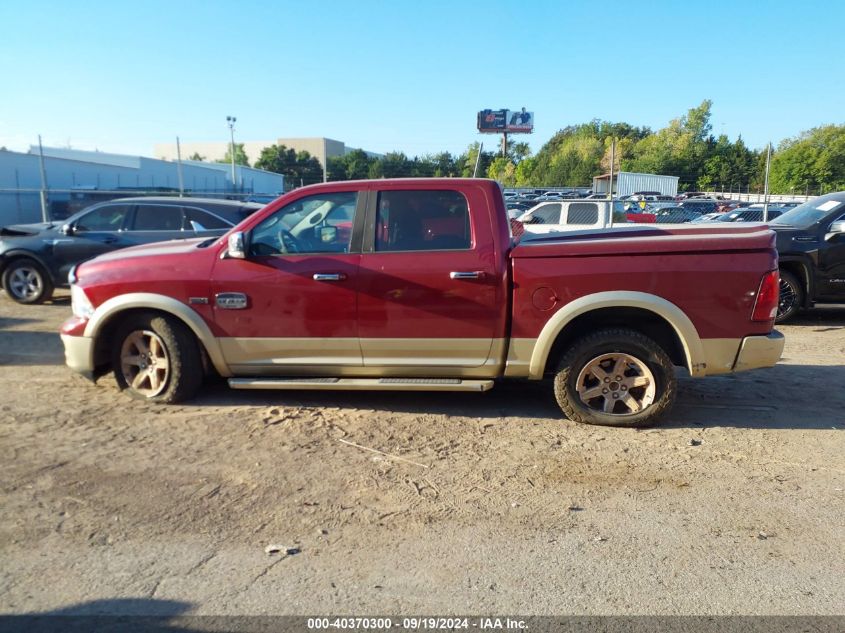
pixel 408 76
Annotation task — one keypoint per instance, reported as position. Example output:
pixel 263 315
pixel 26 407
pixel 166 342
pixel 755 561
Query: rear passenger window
pixel 422 221
pixel 583 213
pixel 156 217
pixel 199 220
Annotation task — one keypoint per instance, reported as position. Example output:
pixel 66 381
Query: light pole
pixel 231 121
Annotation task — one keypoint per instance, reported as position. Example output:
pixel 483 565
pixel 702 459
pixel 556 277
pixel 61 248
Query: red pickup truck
pixel 419 284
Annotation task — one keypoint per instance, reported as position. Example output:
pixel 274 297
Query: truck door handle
pixel 469 274
pixel 329 277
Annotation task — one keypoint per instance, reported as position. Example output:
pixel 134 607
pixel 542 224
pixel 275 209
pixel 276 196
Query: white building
pixel 77 174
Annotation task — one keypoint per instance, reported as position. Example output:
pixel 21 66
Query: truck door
pixel 290 306
pixel 431 295
pixel 831 277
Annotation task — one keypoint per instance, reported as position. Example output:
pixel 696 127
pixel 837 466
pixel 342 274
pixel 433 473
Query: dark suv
pixel 811 252
pixel 35 258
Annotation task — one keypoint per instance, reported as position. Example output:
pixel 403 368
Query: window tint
pixel 107 218
pixel 199 220
pixel 155 217
pixel 422 221
pixel 546 214
pixel 320 223
pixel 583 213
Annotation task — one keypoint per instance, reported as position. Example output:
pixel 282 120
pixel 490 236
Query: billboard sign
pixel 492 121
pixel 499 121
pixel 520 121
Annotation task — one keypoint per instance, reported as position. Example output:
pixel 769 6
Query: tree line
pixel 812 162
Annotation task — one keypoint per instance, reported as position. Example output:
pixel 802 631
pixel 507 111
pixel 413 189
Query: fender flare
pixel 669 312
pixel 807 266
pixel 162 303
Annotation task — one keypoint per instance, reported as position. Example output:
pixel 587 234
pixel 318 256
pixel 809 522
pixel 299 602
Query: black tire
pixel 639 356
pixel 141 343
pixel 791 297
pixel 26 282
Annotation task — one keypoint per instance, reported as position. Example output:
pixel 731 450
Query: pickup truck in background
pixel 419 284
pixel 570 215
pixel 811 248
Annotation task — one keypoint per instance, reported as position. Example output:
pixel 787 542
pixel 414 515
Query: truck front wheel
pixel 615 377
pixel 156 358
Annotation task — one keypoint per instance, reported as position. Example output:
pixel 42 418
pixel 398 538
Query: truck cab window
pixel 422 221
pixel 320 223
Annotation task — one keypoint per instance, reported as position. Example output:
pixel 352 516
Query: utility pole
pixel 610 182
pixel 504 144
pixel 477 160
pixel 179 168
pixel 231 121
pixel 45 215
pixel 766 185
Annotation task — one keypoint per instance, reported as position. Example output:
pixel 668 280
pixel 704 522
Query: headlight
pixel 80 304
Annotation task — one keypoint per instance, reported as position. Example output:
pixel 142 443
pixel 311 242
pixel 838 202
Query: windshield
pixel 809 213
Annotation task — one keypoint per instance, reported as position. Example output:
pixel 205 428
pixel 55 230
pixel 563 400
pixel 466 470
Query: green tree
pixel 503 170
pixel 813 161
pixel 240 155
pixel 299 167
pixel 196 156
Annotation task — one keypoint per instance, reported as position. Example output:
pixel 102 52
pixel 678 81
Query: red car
pixel 418 284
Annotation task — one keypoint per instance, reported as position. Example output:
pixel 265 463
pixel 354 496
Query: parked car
pixel 36 258
pixel 676 215
pixel 429 291
pixel 752 214
pixel 702 205
pixel 811 249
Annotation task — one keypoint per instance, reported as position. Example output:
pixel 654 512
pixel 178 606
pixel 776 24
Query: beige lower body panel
pixel 365 358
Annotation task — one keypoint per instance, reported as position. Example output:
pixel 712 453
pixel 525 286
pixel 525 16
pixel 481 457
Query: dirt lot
pixel 497 505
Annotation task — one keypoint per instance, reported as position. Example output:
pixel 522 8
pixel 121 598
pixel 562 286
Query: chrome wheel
pixel 788 297
pixel 144 363
pixel 25 283
pixel 616 384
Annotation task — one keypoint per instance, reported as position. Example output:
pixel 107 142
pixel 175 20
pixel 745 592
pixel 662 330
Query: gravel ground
pixel 487 502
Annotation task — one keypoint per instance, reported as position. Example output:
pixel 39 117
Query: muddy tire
pixel 26 281
pixel 157 359
pixel 615 377
pixel 791 297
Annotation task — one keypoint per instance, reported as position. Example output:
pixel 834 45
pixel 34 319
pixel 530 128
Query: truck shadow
pixel 783 397
pixel 144 615
pixel 826 316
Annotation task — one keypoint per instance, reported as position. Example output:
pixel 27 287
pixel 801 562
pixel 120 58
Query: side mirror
pixel 837 228
pixel 236 248
pixel 67 229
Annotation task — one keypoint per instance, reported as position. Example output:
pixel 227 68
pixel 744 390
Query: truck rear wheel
pixel 156 358
pixel 615 377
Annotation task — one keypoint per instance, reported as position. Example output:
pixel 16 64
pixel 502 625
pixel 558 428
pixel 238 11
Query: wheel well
pixel 648 323
pixel 799 270
pixel 105 336
pixel 8 260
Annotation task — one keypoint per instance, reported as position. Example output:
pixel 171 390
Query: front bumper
pixel 79 354
pixel 759 351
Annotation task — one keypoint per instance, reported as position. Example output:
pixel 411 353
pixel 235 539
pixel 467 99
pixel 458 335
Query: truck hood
pixel 648 239
pixel 172 247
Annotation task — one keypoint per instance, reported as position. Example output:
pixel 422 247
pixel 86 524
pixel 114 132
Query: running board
pixel 363 384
